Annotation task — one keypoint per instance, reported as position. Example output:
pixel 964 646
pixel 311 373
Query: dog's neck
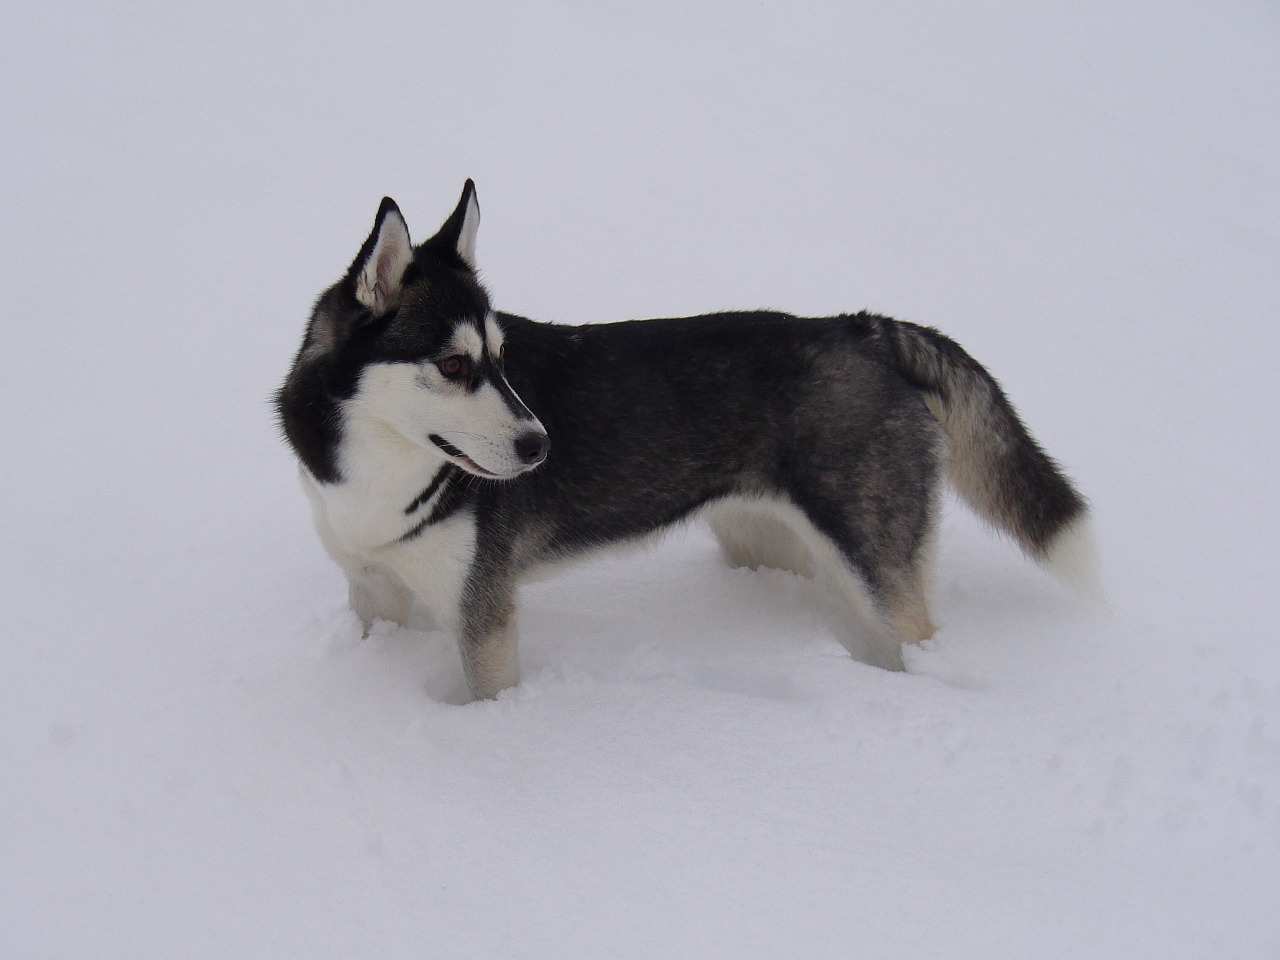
pixel 383 473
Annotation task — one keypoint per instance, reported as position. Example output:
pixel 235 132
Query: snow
pixel 201 756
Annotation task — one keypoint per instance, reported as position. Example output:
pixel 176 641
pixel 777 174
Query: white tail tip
pixel 1073 559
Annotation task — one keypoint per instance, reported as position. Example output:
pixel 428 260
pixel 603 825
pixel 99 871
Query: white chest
pixel 384 474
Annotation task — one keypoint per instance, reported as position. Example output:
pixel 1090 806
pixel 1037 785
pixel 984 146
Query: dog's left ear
pixel 458 235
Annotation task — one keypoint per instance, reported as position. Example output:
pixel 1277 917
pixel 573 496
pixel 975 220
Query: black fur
pixel 454 497
pixel 668 415
pixel 447 472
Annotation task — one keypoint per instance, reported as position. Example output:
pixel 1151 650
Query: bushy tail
pixel 995 463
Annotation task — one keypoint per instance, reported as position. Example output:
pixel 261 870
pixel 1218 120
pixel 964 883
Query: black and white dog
pixel 449 450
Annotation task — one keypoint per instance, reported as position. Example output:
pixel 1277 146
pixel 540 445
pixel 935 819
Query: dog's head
pixel 407 339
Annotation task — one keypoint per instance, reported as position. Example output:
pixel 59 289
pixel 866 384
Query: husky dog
pixel 449 450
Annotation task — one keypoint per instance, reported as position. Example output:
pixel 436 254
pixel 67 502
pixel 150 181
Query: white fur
pixel 466 339
pixel 385 578
pixel 754 534
pixel 467 235
pixel 493 335
pixel 1073 558
pixel 361 522
pixel 378 283
pixel 414 401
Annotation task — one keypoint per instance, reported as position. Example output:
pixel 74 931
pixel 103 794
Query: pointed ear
pixel 458 235
pixel 378 270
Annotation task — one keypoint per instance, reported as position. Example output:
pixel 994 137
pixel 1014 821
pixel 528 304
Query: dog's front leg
pixel 378 594
pixel 489 660
pixel 487 639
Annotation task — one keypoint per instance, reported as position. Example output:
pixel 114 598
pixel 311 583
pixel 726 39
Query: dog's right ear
pixel 376 276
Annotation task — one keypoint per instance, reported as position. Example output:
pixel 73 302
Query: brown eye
pixel 455 367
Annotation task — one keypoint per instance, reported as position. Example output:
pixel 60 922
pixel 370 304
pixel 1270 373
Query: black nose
pixel 532 448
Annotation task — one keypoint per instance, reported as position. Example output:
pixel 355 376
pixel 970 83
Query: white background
pixel 200 756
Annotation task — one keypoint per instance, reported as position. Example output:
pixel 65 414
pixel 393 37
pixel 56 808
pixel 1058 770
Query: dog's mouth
pixel 451 451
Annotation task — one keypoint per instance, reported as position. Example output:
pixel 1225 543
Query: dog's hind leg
pixel 908 613
pixel 891 611
pixel 878 565
pixel 904 606
pixel 880 613
pixel 883 571
pixel 756 535
pixel 905 581
pixel 877 624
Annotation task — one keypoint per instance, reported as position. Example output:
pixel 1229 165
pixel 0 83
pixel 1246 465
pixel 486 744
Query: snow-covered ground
pixel 199 756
